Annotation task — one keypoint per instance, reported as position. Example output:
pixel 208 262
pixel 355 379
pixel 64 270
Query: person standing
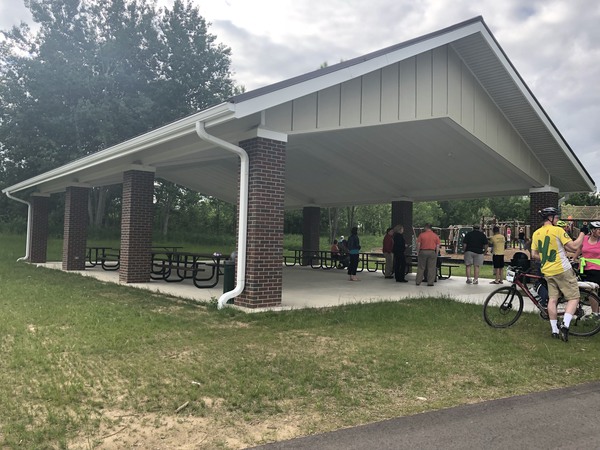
pixel 335 253
pixel 589 262
pixel 521 238
pixel 549 245
pixel 353 250
pixel 498 243
pixel 388 252
pixel 475 247
pixel 399 255
pixel 428 245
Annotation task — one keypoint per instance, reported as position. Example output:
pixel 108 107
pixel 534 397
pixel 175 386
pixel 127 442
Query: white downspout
pixel 243 213
pixel 29 214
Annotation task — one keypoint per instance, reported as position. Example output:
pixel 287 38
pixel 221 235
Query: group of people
pixel 394 251
pixel 346 253
pixel 551 246
pixel 555 250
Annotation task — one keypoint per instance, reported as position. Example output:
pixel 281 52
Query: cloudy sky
pixel 554 44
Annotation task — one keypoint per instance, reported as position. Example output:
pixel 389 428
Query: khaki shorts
pixel 565 283
pixel 472 258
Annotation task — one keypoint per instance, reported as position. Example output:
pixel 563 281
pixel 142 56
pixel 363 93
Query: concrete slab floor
pixel 304 287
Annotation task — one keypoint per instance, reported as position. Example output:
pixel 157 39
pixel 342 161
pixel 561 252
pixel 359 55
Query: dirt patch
pixel 124 430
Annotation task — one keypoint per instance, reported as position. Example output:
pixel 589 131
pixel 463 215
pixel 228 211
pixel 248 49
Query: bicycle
pixel 503 307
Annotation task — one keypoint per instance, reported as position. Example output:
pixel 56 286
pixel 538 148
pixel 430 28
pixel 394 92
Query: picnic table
pixel 204 269
pixel 107 257
pixel 371 261
pixel 325 259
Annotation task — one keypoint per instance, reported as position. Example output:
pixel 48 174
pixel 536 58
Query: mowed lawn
pixel 87 364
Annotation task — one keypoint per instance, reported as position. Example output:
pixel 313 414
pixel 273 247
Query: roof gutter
pixel 243 212
pixel 29 215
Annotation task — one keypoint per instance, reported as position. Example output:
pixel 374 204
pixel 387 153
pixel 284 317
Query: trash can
pixel 228 276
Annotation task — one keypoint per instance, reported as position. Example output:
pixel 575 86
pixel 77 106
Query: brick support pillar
pixel 402 214
pixel 75 228
pixel 311 221
pixel 38 239
pixel 540 198
pixel 264 268
pixel 136 226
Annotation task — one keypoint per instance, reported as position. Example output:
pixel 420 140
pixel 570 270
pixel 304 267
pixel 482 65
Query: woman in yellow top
pixel 498 242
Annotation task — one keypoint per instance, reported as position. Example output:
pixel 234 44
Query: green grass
pixel 85 361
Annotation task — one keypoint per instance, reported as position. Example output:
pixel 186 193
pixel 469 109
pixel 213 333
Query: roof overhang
pixel 421 159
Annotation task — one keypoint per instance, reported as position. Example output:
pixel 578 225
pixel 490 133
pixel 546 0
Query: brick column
pixel 311 221
pixel 402 214
pixel 264 268
pixel 75 228
pixel 38 239
pixel 540 198
pixel 136 226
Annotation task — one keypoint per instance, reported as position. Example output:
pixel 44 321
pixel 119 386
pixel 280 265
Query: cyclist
pixel 549 244
pixel 589 263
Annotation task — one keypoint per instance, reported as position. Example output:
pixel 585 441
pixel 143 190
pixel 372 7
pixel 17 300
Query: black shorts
pixel 592 275
pixel 498 261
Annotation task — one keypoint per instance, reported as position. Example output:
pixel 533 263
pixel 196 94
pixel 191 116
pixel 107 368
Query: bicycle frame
pixel 519 279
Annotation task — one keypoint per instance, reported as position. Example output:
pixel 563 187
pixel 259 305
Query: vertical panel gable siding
pixel 328 108
pixel 389 93
pixel 350 113
pixel 371 98
pixel 467 119
pixel 440 82
pixel 455 67
pixel 279 117
pixel 408 88
pixel 424 85
pixel 304 114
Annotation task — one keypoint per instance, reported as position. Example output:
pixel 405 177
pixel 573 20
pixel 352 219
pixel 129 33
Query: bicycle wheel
pixel 503 307
pixel 584 323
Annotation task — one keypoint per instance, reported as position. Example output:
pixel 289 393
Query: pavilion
pixel 442 116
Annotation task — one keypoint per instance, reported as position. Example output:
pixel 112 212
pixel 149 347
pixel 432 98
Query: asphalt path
pixel 556 419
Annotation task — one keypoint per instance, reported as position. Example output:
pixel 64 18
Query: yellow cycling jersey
pixel 550 242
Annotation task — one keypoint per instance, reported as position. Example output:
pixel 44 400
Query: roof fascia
pixel 211 116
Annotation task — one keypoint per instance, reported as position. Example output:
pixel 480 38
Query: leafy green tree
pixel 427 212
pixel 583 199
pixel 96 73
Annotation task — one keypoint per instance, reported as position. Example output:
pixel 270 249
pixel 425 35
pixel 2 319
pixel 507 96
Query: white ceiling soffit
pixel 111 160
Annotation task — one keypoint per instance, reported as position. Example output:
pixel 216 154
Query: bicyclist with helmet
pixel 549 244
pixel 589 262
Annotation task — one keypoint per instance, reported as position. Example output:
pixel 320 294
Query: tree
pixel 583 199
pixel 427 212
pixel 97 73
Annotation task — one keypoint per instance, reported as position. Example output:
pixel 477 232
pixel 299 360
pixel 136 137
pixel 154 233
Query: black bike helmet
pixel 547 212
pixel 594 225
